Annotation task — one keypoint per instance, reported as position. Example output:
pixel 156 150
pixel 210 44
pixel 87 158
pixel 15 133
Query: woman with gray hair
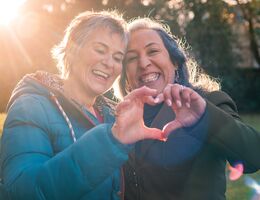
pixel 59 138
pixel 201 127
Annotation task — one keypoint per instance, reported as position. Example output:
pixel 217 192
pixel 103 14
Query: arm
pixel 32 171
pixel 218 120
pixel 236 140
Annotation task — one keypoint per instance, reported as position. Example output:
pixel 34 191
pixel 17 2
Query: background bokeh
pixel 223 35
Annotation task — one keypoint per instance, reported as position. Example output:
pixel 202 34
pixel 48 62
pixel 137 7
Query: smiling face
pixel 147 61
pixel 99 62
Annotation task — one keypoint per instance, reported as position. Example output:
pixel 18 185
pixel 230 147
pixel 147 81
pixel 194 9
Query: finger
pixel 159 98
pixel 194 96
pixel 149 100
pixel 170 127
pixel 141 92
pixel 122 106
pixel 176 94
pixel 185 97
pixel 153 133
pixel 167 94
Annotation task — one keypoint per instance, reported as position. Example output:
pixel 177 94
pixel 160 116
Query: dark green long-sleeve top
pixel 191 164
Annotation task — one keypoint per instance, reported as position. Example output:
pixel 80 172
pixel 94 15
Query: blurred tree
pixel 26 43
pixel 251 13
pixel 210 35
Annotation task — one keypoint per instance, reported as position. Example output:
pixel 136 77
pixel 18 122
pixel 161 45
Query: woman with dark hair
pixel 201 127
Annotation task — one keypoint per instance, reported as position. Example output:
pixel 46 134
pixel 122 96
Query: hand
pixel 187 104
pixel 129 125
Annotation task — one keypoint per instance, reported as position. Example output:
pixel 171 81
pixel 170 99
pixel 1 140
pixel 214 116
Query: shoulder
pixel 220 98
pixel 222 101
pixel 29 108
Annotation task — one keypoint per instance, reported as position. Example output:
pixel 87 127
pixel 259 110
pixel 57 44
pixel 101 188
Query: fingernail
pixel 163 137
pixel 187 105
pixel 169 102
pixel 156 100
pixel 178 102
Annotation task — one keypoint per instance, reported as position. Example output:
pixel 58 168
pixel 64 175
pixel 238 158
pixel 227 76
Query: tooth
pixel 150 77
pixel 99 73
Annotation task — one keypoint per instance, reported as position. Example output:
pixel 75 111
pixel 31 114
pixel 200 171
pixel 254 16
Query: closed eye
pixel 100 51
pixel 118 58
pixel 131 59
pixel 153 51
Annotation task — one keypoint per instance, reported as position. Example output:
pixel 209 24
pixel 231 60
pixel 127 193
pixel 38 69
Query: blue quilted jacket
pixel 40 160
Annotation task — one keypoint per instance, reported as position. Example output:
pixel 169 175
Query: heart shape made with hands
pixel 165 121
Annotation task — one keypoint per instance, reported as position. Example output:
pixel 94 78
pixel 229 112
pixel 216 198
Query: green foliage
pixel 210 36
pixel 208 32
pixel 243 85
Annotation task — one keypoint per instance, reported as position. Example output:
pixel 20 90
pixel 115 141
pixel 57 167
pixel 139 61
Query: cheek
pixel 130 78
pixel 118 70
pixel 169 73
pixel 91 58
pixel 131 75
pixel 131 71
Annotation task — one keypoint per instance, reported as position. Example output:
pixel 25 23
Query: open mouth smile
pixel 100 74
pixel 149 77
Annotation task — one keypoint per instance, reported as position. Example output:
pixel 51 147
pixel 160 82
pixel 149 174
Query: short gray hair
pixel 77 34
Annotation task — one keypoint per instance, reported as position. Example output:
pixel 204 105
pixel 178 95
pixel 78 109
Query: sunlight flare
pixel 9 10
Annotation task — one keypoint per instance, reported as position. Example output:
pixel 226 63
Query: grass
pixel 238 189
pixel 235 189
pixel 253 120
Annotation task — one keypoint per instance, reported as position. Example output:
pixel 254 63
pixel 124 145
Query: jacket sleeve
pixel 32 171
pixel 237 141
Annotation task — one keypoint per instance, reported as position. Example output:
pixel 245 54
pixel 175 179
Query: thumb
pixel 169 127
pixel 153 133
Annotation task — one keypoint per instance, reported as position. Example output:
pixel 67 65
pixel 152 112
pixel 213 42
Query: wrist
pixel 116 133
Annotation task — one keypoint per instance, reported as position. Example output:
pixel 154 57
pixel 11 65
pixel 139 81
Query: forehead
pixel 106 36
pixel 143 37
pixel 104 32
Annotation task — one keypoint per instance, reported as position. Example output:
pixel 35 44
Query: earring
pixel 176 78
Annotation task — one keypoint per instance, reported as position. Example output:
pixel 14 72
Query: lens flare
pixel 9 10
pixel 250 182
pixel 236 172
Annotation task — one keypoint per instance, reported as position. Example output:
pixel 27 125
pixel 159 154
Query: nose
pixel 108 61
pixel 144 62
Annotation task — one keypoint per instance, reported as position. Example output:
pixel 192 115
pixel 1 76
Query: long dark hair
pixel 188 73
pixel 177 57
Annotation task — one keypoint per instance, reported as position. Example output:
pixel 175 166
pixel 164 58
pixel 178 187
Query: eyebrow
pixel 151 44
pixel 105 45
pixel 146 46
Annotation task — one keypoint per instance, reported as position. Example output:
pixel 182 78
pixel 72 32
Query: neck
pixel 77 92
